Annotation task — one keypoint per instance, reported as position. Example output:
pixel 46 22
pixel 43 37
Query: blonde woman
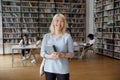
pixel 56 63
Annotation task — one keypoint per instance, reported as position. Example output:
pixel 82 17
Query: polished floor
pixel 95 67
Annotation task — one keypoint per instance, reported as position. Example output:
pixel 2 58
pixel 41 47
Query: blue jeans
pixel 54 76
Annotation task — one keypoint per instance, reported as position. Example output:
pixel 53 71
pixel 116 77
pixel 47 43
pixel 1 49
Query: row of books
pixel 18 25
pixel 44 5
pixel 107 29
pixel 108 13
pixel 108 36
pixel 30 25
pixel 117 23
pixel 11 20
pixel 98 9
pixel 108 53
pixel 30 15
pixel 77 30
pixel 98 25
pixel 11 41
pixel 99 46
pixel 117 17
pixel 99 40
pixel 76 20
pixel 99 19
pixel 12 25
pixel 29 9
pixel 12 14
pixel 117 4
pixel 117 43
pixel 108 10
pixel 99 35
pixel 113 30
pixel 11 9
pixel 78 39
pixel 43 10
pixel 117 49
pixel 72 26
pixel 98 5
pixel 108 7
pixel 107 19
pixel 116 29
pixel 99 51
pixel 9 30
pixel 117 11
pixel 108 47
pixel 5 20
pixel 10 36
pixel 117 35
pixel 108 41
pixel 77 35
pixel 106 2
pixel 116 55
pixel 98 15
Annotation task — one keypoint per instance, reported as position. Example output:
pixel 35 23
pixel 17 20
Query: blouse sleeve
pixel 70 46
pixel 42 53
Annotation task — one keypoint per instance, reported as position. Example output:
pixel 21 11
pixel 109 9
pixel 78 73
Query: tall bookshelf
pixel 34 18
pixel 74 12
pixel 107 19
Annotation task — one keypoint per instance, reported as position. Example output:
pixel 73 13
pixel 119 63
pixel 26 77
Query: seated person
pixel 37 43
pixel 25 41
pixel 91 40
pixel 88 44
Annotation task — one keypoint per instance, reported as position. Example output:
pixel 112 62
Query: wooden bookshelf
pixel 107 19
pixel 34 18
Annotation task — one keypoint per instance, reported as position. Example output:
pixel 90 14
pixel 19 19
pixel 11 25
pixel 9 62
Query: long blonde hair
pixel 52 30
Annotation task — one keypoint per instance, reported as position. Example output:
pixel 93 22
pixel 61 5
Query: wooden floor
pixel 93 68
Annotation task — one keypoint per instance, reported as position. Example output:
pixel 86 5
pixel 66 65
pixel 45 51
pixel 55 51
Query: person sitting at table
pixel 24 42
pixel 88 44
pixel 37 43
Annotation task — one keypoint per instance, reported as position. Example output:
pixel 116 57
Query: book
pixel 50 49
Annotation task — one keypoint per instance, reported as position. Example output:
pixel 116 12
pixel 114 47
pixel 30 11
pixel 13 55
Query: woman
pixel 56 63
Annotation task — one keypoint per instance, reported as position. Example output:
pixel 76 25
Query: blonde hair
pixel 52 30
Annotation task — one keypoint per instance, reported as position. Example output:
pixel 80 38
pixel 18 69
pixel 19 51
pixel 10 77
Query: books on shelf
pixel 107 22
pixel 34 17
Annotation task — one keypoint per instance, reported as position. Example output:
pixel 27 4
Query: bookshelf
pixel 107 19
pixel 34 18
pixel 74 12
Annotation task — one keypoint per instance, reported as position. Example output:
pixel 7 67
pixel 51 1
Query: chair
pixel 76 50
pixel 87 51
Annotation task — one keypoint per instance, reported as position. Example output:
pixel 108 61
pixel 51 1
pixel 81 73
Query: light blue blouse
pixel 63 44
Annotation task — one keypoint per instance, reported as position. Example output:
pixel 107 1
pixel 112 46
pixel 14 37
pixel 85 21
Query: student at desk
pixel 23 42
pixel 88 44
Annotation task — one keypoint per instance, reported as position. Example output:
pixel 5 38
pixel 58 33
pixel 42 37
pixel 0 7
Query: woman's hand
pixel 56 55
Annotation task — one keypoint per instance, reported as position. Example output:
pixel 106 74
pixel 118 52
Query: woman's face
pixel 25 38
pixel 58 23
